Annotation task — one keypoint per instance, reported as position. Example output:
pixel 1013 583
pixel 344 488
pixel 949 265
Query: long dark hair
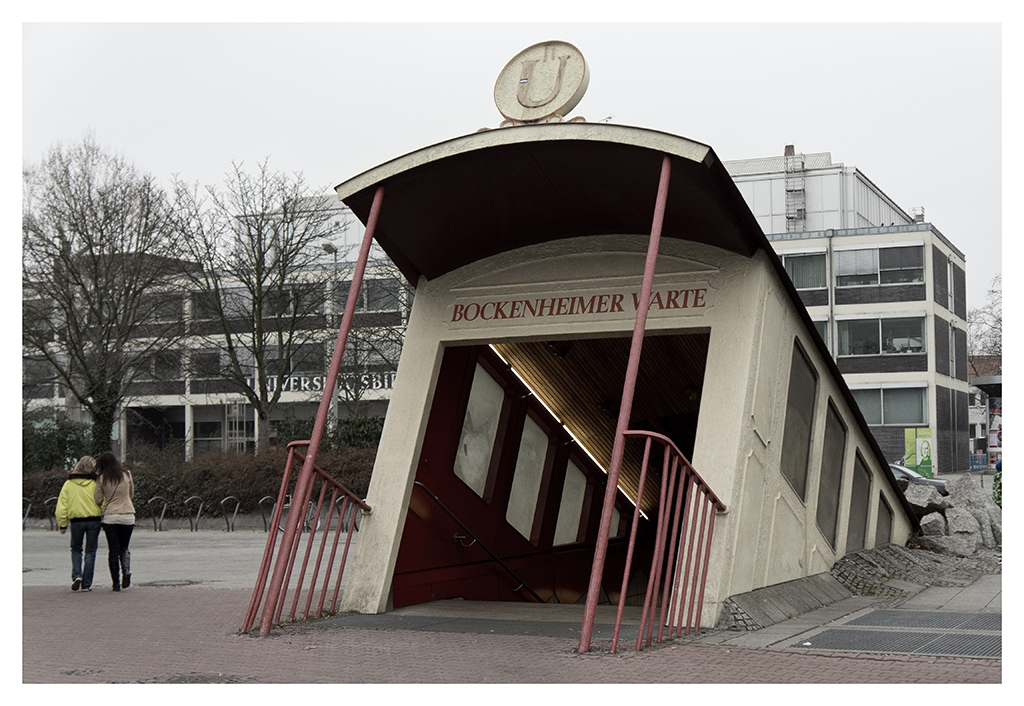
pixel 108 468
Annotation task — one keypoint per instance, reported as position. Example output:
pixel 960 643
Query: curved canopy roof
pixel 493 191
pixel 496 190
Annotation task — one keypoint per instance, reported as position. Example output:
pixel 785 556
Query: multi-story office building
pixel 887 291
pixel 185 395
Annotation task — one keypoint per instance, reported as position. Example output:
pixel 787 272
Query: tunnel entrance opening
pixel 512 471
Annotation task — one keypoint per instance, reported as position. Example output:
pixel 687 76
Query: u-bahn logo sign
pixel 542 83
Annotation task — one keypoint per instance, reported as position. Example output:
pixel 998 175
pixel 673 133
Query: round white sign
pixel 542 81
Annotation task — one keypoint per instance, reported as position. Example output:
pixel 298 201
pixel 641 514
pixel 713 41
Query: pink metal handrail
pixel 673 461
pixel 308 471
pixel 679 540
pixel 288 551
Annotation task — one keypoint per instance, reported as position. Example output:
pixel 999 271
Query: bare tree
pixel 97 253
pixel 985 323
pixel 375 339
pixel 259 297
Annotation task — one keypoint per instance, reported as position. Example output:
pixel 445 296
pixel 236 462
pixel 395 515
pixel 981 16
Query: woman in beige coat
pixel 114 492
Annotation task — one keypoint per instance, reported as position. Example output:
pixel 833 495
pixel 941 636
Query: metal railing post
pixel 305 477
pixel 625 407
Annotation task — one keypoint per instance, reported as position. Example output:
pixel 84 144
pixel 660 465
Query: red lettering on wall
pixel 575 305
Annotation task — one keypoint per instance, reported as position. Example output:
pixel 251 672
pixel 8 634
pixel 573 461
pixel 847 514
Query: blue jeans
pixel 88 530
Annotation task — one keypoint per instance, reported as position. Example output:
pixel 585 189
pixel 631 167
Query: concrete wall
pixel 767 534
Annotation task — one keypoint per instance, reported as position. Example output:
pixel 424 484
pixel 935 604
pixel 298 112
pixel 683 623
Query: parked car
pixel 917 479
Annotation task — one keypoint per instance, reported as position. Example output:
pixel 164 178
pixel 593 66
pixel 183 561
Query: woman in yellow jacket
pixel 114 492
pixel 76 506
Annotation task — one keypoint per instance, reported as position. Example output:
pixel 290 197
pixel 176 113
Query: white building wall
pixel 767 533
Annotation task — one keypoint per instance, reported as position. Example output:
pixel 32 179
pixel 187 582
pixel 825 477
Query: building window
pixel 901 265
pixel 860 500
pixel 796 440
pixel 570 508
pixel 897 265
pixel 207 436
pixel 833 454
pixel 205 363
pixel 382 294
pixel 883 525
pixel 479 430
pixel 163 307
pixel 903 335
pixel 162 365
pixel 881 336
pixel 822 328
pixel 806 271
pixel 856 268
pixel 893 405
pixel 522 501
pixel 296 300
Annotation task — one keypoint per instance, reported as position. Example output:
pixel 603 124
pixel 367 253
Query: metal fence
pixel 679 566
pixel 312 514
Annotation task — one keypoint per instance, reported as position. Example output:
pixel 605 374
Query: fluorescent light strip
pixel 560 422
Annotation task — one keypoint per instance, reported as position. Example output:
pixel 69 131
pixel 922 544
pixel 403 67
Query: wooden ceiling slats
pixel 581 382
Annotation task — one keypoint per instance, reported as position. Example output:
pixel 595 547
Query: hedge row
pixel 212 477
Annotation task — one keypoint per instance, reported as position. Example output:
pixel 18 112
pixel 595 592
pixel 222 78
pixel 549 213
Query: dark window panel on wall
pixel 940 334
pixel 796 440
pixel 814 297
pixel 959 292
pixel 879 295
pixel 962 455
pixel 830 484
pixel 892 441
pixel 901 265
pixel 940 286
pixel 960 350
pixel 945 434
pixel 856 535
pixel 903 363
pixel 883 526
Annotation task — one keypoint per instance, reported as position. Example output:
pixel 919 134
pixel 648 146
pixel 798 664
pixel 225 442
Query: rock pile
pixel 959 524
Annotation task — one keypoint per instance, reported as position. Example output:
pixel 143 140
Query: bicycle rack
pixel 28 508
pixel 157 526
pixel 352 515
pixel 231 523
pixel 51 512
pixel 307 521
pixel 193 525
pixel 263 512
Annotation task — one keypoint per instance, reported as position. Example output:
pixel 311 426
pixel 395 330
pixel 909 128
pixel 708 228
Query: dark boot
pixel 115 578
pixel 126 569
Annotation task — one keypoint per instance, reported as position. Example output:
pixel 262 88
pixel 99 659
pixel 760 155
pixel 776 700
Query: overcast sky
pixel 916 107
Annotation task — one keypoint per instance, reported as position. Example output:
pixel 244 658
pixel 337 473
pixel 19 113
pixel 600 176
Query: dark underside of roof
pixel 450 212
pixel 454 206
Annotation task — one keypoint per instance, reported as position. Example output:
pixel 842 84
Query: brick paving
pixel 190 635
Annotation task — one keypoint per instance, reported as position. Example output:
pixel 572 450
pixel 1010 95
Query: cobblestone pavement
pixel 188 633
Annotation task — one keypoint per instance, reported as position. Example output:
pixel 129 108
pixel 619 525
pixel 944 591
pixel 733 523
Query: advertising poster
pixel 995 430
pixel 917 449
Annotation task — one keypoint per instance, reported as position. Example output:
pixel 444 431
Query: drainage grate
pixel 922 643
pixel 965 645
pixel 934 619
pixel 852 640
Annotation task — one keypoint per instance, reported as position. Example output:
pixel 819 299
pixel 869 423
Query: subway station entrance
pixel 517 438
pixel 609 389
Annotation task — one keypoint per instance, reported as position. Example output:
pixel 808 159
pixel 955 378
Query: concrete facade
pixel 826 214
pixel 707 281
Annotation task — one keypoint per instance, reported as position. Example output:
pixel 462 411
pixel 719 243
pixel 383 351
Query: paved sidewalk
pixel 179 623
